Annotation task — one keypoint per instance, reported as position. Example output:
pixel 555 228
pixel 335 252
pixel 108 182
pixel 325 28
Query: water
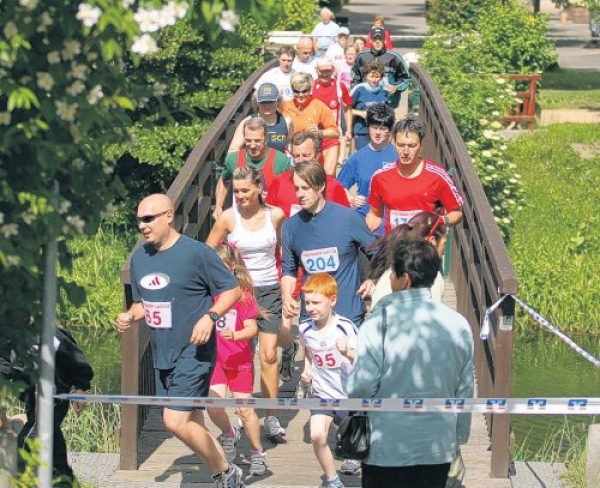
pixel 544 366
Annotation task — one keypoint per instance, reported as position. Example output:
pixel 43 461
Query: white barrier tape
pixel 514 406
pixel 485 328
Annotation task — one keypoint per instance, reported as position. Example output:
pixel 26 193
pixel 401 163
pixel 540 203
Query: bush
pixel 456 15
pixel 298 15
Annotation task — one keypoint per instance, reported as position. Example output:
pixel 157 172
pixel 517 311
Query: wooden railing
pixel 192 193
pixel 524 111
pixel 479 266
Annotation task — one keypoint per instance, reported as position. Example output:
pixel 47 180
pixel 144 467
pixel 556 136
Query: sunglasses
pixel 301 92
pixel 148 219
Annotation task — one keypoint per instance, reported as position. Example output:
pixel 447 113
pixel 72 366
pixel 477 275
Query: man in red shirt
pixel 413 185
pixel 305 146
pixel 336 96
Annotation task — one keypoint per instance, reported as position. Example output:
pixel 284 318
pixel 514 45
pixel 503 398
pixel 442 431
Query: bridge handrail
pixel 192 195
pixel 480 266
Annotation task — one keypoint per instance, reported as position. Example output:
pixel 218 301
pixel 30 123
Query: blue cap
pixel 267 92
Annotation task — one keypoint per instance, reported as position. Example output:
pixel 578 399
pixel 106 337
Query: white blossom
pixel 10 30
pixel 500 81
pixel 64 207
pixel 88 15
pixel 489 134
pixel 28 217
pixel 29 4
pixel 76 88
pixel 486 154
pixel 489 100
pixel 77 222
pixel 78 71
pixel 8 230
pixel 95 95
pixel 229 20
pixel 45 22
pixel 144 45
pixel 91 56
pixel 71 49
pixel 5 61
pixel 66 111
pixel 496 125
pixel 127 3
pixel 159 89
pixel 13 259
pixel 5 118
pixel 171 12
pixel 45 81
pixel 142 102
pixel 53 57
pixel 75 133
pixel 148 20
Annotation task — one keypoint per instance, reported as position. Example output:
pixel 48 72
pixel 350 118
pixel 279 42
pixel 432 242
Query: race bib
pixel 294 209
pixel 227 321
pixel 328 359
pixel 400 217
pixel 158 315
pixel 325 260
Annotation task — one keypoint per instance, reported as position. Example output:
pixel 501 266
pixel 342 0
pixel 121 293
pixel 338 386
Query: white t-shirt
pixel 335 52
pixel 280 79
pixel 326 35
pixel 330 369
pixel 300 67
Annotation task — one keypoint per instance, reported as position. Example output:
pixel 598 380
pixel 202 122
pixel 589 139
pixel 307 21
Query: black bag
pixel 353 437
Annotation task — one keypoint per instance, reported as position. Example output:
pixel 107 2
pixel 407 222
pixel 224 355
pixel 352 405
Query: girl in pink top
pixel 234 366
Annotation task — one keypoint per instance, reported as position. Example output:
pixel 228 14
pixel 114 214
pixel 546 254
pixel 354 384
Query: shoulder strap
pixel 268 169
pixel 241 159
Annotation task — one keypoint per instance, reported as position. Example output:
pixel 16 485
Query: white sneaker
pixel 258 466
pixel 229 444
pixel 232 478
pixel 272 427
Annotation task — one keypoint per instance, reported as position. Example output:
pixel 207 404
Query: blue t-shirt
pixel 177 287
pixel 363 96
pixel 328 242
pixel 360 168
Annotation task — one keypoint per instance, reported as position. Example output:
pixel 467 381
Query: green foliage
pixel 456 15
pixel 556 243
pixel 31 459
pixel 96 264
pixel 298 15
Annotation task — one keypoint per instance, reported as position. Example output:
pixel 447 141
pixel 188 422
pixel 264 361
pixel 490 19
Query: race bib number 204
pixel 326 260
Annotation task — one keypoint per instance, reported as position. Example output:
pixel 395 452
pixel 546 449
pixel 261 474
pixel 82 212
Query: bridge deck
pixel 166 462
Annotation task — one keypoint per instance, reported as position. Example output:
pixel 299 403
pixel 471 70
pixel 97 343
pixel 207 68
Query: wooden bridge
pixel 479 272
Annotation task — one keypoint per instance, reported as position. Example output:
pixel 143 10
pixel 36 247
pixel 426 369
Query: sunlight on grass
pixel 574 89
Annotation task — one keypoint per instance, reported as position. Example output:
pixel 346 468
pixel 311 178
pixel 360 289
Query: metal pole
pixel 45 400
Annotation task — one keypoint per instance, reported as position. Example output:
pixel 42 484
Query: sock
pixel 231 432
pixel 336 478
pixel 258 452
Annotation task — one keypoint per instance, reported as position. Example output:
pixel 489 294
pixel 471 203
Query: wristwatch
pixel 214 316
pixel 446 220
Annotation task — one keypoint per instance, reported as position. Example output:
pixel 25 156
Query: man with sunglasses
pixel 180 288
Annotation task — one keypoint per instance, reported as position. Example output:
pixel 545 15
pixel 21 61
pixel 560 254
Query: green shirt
pixel 282 163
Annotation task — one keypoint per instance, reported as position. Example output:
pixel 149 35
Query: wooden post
pixel 502 381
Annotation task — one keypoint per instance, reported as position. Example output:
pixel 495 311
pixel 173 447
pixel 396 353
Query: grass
pixel 570 89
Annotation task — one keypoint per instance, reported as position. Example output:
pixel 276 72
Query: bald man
pixel 180 288
pixel 304 62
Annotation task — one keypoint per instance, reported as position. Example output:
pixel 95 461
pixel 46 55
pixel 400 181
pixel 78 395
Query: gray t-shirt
pixel 177 287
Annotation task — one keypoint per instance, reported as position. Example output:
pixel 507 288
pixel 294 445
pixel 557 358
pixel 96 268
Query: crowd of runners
pixel 324 205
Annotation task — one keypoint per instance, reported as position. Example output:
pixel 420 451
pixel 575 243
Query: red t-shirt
pixel 236 354
pixel 398 199
pixel 328 94
pixel 282 194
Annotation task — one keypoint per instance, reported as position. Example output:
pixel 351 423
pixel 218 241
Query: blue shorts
pixel 338 415
pixel 189 378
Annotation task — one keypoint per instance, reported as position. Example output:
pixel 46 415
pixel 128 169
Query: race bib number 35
pixel 324 260
pixel 158 315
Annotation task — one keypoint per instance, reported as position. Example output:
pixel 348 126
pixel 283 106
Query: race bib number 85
pixel 158 314
pixel 325 260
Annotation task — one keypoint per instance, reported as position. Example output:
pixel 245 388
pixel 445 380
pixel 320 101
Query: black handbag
pixel 353 438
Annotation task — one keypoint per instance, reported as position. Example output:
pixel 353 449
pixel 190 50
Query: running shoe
pixel 303 390
pixel 232 478
pixel 272 427
pixel 350 466
pixel 286 370
pixel 258 466
pixel 229 444
pixel 335 484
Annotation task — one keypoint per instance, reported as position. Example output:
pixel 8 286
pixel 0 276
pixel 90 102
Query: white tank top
pixel 257 248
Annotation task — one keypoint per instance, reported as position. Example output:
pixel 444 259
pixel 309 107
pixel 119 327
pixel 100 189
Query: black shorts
pixel 269 299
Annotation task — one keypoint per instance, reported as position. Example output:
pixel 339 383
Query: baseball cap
pixel 267 92
pixel 377 32
pixel 343 31
pixel 325 63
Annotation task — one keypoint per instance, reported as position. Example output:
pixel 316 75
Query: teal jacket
pixel 428 354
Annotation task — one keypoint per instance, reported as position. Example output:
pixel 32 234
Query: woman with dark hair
pixel 255 229
pixel 425 225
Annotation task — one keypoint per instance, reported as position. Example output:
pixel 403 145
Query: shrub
pixel 298 15
pixel 456 15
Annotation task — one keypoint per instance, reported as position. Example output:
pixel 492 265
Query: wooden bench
pixel 524 111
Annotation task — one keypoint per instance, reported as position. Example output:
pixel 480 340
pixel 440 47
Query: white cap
pixel 343 31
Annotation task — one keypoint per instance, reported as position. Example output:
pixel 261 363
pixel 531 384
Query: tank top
pixel 257 248
pixel 277 133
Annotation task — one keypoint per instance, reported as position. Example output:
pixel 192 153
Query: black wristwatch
pixel 214 316
pixel 446 220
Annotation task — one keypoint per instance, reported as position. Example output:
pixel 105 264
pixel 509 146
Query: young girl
pixel 330 348
pixel 233 369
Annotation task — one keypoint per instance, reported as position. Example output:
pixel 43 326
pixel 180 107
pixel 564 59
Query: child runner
pixel 330 346
pixel 233 368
